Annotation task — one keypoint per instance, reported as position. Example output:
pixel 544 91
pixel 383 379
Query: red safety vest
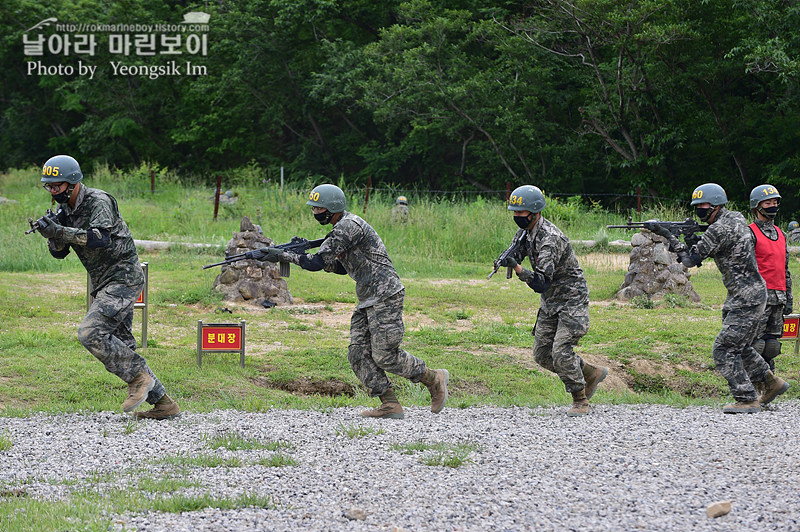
pixel 771 258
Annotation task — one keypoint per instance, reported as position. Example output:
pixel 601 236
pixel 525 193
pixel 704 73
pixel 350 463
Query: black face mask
pixel 769 212
pixel 522 221
pixel 324 217
pixel 63 197
pixel 703 212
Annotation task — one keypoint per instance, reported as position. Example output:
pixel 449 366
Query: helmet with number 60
pixel 526 198
pixel 61 168
pixel 329 197
pixel 709 193
pixel 761 193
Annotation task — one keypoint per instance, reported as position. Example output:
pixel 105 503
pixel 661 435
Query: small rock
pixel 356 514
pixel 718 509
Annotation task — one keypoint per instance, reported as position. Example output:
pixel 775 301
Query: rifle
pixel 296 245
pixel 40 223
pixel 512 251
pixel 687 228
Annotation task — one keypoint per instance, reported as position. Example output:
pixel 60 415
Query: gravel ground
pixel 639 467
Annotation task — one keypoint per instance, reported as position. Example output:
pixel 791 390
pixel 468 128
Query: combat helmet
pixel 526 198
pixel 761 193
pixel 61 168
pixel 401 200
pixel 709 193
pixel 793 225
pixel 329 197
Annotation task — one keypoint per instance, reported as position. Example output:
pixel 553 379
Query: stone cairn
pixel 251 281
pixel 654 270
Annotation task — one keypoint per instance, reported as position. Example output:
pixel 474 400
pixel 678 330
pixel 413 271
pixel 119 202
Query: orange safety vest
pixel 771 258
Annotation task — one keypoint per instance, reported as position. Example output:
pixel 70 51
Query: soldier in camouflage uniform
pixel 400 210
pixel 376 327
pixel 794 233
pixel 772 256
pixel 729 241
pixel 563 317
pixel 89 223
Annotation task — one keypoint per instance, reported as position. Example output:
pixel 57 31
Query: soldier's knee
pixel 772 348
pixel 86 335
pixel 384 356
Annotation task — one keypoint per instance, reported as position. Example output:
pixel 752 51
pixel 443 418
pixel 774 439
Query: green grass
pixel 439 454
pixel 356 431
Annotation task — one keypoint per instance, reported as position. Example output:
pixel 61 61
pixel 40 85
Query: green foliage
pixel 438 454
pixel 356 431
pixel 580 97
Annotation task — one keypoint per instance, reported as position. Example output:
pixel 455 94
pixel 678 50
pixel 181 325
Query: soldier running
pixel 376 326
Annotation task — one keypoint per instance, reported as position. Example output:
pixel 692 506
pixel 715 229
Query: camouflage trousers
pixel 375 336
pixel 734 355
pixel 771 321
pixel 106 333
pixel 553 349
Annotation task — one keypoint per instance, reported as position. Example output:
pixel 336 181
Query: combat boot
pixel 580 404
pixel 742 407
pixel 773 387
pixel 593 376
pixel 165 408
pixel 138 389
pixel 436 381
pixel 390 407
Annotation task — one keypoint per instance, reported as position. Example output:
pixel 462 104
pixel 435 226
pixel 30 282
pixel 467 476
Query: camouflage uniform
pixel 729 242
pixel 794 236
pixel 117 280
pixel 563 317
pixel 400 213
pixel 376 327
pixel 779 302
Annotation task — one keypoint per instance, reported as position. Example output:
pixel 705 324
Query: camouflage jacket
pixel 117 263
pixel 776 297
pixel 355 245
pixel 552 256
pixel 729 241
pixel 793 236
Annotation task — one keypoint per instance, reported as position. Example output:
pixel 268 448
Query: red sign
pixel 141 298
pixel 221 338
pixel 791 324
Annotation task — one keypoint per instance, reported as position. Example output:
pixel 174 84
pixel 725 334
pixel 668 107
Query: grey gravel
pixel 623 467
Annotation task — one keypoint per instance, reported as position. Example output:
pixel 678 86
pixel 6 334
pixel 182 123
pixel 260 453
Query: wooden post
pixel 216 196
pixel 366 199
pixel 639 199
pixel 508 190
pixel 152 181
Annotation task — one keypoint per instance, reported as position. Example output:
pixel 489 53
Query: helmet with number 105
pixel 526 198
pixel 709 193
pixel 761 193
pixel 329 197
pixel 61 168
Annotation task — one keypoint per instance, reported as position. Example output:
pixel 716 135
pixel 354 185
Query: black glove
pixel 538 283
pixel 787 308
pixel 267 254
pixel 50 229
pixel 654 227
pixel 508 262
pixel 691 240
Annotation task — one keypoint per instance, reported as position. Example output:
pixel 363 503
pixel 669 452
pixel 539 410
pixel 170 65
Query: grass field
pixel 296 356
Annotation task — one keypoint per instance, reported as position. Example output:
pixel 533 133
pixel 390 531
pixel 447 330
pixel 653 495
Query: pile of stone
pixel 251 281
pixel 654 271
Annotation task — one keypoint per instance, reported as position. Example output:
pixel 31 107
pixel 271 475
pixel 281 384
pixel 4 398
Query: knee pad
pixel 772 348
